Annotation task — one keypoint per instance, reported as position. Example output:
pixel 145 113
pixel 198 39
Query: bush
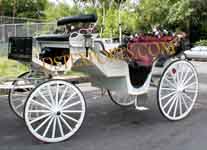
pixel 201 43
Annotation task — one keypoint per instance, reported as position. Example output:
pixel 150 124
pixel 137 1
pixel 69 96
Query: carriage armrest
pixel 75 19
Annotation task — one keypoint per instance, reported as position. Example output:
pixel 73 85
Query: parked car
pixel 197 53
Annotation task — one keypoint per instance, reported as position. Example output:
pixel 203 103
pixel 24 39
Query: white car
pixel 197 53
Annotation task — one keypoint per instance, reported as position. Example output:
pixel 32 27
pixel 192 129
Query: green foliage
pixel 171 14
pixel 201 43
pixel 174 15
pixel 111 23
pixel 199 10
pixel 54 12
pixel 180 14
pixel 23 8
pixel 152 12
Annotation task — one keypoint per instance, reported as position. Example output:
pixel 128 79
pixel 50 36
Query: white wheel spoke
pixel 72 111
pixel 186 75
pixel 54 127
pixel 187 97
pixel 180 105
pixel 43 123
pixel 60 126
pixel 71 105
pixel 57 93
pixel 175 108
pixel 169 101
pixel 19 106
pixel 39 118
pixel 65 122
pixel 44 106
pixel 168 89
pixel 190 91
pixel 174 76
pixel 166 96
pixel 48 126
pixel 63 94
pixel 71 118
pixel 181 75
pixel 177 75
pixel 185 82
pixel 189 85
pixel 45 99
pixel 170 83
pixel 20 97
pixel 39 111
pixel 184 102
pixel 171 106
pixel 68 99
pixel 50 94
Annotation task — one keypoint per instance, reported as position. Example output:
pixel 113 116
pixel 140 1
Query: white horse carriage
pixel 54 109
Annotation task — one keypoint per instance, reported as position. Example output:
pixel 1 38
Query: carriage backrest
pixel 146 49
pixel 20 48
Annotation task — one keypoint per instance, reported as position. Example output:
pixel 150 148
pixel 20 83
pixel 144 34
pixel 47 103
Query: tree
pixel 186 15
pixel 198 20
pixel 1 8
pixel 62 9
pixel 24 8
pixel 179 15
pixel 151 13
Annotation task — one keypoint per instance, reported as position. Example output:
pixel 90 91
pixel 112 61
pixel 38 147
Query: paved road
pixel 109 127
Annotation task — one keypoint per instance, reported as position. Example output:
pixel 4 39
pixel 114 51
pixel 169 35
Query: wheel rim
pixel 59 112
pixel 18 94
pixel 178 90
pixel 122 99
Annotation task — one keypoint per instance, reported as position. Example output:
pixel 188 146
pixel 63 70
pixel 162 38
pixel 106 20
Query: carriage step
pixel 140 102
pixel 141 108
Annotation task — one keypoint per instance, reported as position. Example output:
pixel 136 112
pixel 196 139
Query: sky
pixel 67 1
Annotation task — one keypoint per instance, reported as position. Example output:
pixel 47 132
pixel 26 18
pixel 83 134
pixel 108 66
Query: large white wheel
pixel 19 93
pixel 178 90
pixel 122 99
pixel 54 111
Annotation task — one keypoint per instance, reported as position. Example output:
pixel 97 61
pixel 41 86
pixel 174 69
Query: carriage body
pixel 125 78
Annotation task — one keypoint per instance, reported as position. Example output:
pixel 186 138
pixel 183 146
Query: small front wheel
pixel 122 99
pixel 18 94
pixel 54 111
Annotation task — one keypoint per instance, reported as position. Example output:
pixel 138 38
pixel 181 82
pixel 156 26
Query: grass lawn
pixel 11 68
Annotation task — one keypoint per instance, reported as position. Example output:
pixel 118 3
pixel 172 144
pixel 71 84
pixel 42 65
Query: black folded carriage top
pixel 76 19
pixel 53 37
